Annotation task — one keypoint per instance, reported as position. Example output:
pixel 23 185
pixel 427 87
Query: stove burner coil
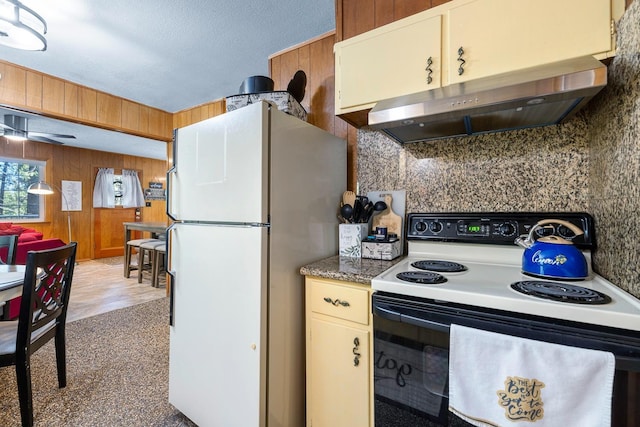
pixel 561 292
pixel 439 266
pixel 422 277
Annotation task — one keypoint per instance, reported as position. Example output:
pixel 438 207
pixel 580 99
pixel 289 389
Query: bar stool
pixel 148 250
pixel 132 245
pixel 158 262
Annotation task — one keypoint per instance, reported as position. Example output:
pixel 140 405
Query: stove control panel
pixel 497 228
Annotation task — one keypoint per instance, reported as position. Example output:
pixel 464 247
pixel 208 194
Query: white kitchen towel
pixel 501 380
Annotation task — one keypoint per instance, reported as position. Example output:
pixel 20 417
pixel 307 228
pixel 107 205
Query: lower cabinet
pixel 339 351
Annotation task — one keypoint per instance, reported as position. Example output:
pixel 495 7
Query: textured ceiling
pixel 169 54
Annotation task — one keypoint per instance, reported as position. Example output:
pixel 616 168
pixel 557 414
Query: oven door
pixel 411 345
pixel 410 374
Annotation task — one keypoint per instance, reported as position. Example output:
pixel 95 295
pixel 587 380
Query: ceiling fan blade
pixel 44 139
pixel 52 135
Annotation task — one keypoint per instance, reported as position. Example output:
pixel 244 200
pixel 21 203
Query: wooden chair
pixel 131 247
pixel 149 250
pixel 11 243
pixel 159 263
pixel 43 314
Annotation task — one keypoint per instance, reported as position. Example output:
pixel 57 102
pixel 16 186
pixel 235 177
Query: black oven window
pixel 411 367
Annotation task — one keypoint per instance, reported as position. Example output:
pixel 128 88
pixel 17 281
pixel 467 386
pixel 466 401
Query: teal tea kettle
pixel 553 257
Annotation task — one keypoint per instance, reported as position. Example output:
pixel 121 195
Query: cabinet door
pixel 504 35
pixel 339 387
pixel 388 62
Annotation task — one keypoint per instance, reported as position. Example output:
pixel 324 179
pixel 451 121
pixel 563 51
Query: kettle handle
pixel 577 230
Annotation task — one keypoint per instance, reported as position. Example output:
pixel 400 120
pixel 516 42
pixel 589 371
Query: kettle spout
pixel 523 241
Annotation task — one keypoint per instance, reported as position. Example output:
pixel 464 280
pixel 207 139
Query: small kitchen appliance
pixel 464 269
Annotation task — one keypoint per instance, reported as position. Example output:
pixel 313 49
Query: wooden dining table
pixel 149 227
pixel 11 280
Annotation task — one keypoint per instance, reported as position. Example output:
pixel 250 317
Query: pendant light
pixel 42 188
pixel 21 27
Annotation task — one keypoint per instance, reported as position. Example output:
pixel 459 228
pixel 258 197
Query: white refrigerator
pixel 254 194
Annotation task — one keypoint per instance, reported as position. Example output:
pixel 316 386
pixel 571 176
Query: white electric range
pixel 480 245
pixel 416 302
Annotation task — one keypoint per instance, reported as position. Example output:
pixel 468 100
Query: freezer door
pixel 217 359
pixel 220 168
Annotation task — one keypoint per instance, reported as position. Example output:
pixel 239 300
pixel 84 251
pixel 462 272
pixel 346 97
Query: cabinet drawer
pixel 340 301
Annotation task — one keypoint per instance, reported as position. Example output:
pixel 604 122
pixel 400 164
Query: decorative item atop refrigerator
pixel 253 195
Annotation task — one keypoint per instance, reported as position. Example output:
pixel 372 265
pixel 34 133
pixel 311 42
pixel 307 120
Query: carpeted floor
pixel 117 374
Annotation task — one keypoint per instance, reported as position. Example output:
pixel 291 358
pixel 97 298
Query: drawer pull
pixel 356 359
pixel 337 302
pixel 429 70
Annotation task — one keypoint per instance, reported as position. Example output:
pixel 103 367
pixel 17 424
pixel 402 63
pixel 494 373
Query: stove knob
pixel 421 226
pixel 507 229
pixel 435 227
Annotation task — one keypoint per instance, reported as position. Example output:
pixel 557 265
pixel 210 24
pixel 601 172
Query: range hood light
pixel 535 101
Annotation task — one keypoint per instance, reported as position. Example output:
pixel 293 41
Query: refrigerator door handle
pixel 170 173
pixel 171 291
pixel 170 271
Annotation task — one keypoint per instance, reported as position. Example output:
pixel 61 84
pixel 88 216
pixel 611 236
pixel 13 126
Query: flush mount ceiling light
pixel 21 27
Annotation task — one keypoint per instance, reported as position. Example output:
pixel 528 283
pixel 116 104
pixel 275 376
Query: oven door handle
pixel 397 314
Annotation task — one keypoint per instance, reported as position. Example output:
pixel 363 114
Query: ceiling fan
pixel 16 128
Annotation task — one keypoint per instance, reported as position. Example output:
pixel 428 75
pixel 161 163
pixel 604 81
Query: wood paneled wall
pixel 50 96
pixel 198 113
pixel 355 17
pixel 75 164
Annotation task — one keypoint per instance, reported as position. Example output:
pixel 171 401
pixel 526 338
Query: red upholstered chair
pixel 9 247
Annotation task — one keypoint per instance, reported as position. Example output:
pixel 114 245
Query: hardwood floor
pixel 100 286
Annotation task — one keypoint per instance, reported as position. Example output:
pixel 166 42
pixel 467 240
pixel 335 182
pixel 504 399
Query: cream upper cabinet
pixel 339 354
pixel 498 36
pixel 397 59
pixel 492 36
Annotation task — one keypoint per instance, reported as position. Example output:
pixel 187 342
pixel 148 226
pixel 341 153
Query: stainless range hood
pixel 537 96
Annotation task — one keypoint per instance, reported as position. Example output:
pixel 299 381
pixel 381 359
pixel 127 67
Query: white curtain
pixel 132 195
pixel 103 194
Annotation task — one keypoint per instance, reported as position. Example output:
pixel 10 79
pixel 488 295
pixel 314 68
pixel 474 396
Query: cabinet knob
pixel 461 61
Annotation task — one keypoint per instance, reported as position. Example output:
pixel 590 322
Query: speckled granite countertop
pixel 348 269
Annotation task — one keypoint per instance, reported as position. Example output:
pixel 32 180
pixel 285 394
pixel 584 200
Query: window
pixel 16 175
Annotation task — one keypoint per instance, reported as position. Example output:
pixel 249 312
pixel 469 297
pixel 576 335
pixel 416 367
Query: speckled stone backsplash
pixel 591 163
